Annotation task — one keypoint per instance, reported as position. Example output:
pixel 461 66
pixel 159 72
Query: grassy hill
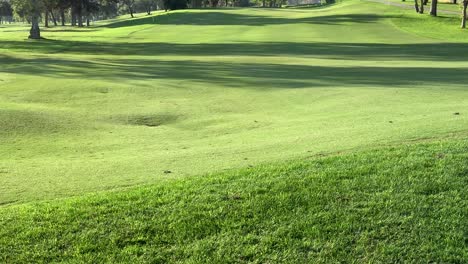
pixel 241 135
pixel 397 204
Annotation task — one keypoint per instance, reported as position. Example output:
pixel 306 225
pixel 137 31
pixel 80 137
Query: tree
pixel 434 8
pixel 31 9
pixel 107 9
pixel 145 5
pixel 175 4
pixel 130 6
pixel 416 6
pixel 35 32
pixel 49 6
pixel 76 13
pixel 63 5
pixel 465 5
pixel 90 7
pixel 6 11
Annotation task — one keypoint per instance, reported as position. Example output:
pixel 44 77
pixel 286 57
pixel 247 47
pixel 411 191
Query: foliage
pixel 5 8
pixel 25 8
pixel 175 4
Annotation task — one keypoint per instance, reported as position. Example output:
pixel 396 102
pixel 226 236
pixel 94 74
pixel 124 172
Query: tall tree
pixel 434 8
pixel 145 5
pixel 6 11
pixel 63 5
pixel 465 5
pixel 31 9
pixel 130 6
pixel 49 6
pixel 90 7
pixel 35 32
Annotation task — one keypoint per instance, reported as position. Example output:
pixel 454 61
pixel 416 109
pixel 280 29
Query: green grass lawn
pixel 404 204
pixel 199 135
pixel 193 92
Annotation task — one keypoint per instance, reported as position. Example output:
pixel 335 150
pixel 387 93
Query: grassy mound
pixel 396 204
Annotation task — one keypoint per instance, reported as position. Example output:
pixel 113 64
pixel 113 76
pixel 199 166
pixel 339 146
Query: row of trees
pixel 80 13
pixel 419 7
pixel 6 12
pixel 75 12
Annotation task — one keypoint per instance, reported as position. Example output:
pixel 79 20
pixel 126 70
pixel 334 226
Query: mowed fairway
pixel 316 135
pixel 185 93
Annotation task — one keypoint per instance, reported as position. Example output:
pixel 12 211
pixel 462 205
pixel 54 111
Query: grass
pixel 236 135
pixel 200 91
pixel 393 205
pixel 441 6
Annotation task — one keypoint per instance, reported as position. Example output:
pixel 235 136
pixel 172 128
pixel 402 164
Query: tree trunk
pixel 416 6
pixel 62 17
pixel 87 21
pixel 421 7
pixel 79 14
pixel 434 8
pixel 73 16
pixel 465 4
pixel 46 19
pixel 425 2
pixel 53 18
pixel 35 32
pixel 80 20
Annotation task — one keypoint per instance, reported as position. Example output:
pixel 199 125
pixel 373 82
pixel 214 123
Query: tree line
pixel 6 12
pixel 80 13
pixel 419 7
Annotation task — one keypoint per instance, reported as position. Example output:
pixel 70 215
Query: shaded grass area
pixel 330 50
pixel 238 74
pixel 224 18
pixel 396 204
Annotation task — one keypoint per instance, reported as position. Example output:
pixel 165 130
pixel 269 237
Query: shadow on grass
pixel 328 50
pixel 226 18
pixel 68 29
pixel 240 75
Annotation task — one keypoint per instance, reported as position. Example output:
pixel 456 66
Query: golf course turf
pixel 335 134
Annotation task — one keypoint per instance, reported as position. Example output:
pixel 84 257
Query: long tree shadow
pixel 69 29
pixel 240 75
pixel 329 50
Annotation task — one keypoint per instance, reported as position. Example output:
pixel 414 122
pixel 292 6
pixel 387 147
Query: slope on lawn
pixel 394 205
